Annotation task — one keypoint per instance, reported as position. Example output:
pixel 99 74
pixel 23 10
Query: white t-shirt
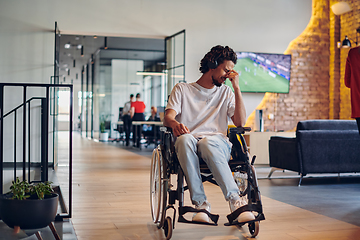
pixel 204 111
pixel 126 109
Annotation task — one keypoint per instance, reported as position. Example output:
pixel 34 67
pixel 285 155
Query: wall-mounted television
pixel 263 72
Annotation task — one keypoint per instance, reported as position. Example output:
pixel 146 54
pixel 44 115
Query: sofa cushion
pixel 324 151
pixel 326 124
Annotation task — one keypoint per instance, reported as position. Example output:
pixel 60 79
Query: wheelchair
pixel 164 164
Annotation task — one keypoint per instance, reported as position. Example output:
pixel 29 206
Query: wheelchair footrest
pixel 259 218
pixel 183 210
pixel 252 207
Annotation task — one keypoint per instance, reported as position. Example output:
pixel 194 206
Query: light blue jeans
pixel 215 151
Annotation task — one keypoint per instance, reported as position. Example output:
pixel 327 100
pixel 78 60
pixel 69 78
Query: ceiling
pixel 151 51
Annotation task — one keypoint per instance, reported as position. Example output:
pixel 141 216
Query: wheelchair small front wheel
pixel 168 228
pixel 254 228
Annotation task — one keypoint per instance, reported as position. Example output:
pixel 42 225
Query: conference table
pixel 138 134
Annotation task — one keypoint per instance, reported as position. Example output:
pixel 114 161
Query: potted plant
pixel 104 136
pixel 29 206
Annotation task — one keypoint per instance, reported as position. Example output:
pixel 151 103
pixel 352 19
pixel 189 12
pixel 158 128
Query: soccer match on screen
pixel 263 72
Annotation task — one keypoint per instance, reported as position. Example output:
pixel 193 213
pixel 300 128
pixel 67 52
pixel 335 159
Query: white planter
pixel 104 137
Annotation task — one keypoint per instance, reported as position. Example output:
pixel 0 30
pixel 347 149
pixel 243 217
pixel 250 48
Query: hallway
pixel 111 201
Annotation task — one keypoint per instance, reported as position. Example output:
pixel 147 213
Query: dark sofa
pixel 320 146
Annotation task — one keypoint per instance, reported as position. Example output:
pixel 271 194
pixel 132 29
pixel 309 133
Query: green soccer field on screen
pixel 260 72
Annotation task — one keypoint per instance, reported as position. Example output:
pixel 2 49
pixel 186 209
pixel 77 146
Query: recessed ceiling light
pixel 69 54
pixel 77 38
pixel 67 45
pixel 79 46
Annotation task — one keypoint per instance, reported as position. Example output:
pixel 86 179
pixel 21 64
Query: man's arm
pixel 239 117
pixel 132 112
pixel 169 121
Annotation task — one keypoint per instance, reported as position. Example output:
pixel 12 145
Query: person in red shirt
pixel 352 81
pixel 137 114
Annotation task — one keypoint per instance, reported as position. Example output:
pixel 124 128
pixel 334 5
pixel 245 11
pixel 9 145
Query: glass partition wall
pixel 117 80
pixel 175 59
pixel 106 70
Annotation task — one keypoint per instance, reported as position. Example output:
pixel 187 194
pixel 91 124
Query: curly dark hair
pixel 216 56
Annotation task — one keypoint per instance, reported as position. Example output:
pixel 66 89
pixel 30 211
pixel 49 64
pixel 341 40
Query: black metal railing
pixel 26 128
pixel 43 142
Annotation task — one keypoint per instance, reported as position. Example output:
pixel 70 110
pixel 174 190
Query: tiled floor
pixel 111 201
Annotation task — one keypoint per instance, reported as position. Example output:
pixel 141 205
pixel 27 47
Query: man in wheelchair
pixel 198 114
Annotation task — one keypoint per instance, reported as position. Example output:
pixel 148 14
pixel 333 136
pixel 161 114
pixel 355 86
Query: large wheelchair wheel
pixel 241 179
pixel 158 187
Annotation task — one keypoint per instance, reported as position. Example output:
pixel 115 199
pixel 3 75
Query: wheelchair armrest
pixel 240 130
pixel 166 129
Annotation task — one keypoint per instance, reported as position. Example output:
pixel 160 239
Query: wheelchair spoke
pixel 241 180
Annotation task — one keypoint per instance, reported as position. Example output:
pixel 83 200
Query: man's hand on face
pixel 180 129
pixel 234 78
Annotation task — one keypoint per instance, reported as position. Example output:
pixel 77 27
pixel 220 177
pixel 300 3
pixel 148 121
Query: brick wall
pixel 317 88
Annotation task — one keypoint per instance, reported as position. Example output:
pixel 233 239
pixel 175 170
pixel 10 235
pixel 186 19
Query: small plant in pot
pixel 29 206
pixel 104 136
pixel 102 127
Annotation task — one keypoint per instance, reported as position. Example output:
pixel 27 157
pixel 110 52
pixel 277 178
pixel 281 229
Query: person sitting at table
pixel 150 130
pixel 137 114
pixel 153 117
